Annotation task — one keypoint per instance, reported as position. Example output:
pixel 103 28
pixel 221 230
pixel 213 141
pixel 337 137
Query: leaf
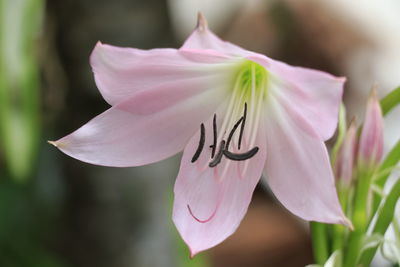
pixel 387 212
pixel 384 218
pixel 389 163
pixel 390 101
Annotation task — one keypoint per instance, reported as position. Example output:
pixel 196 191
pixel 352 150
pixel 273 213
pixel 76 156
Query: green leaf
pixel 388 163
pixel 384 218
pixel 390 101
pixel 386 213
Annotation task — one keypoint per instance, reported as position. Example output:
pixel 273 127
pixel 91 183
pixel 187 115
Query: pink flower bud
pixel 347 155
pixel 371 140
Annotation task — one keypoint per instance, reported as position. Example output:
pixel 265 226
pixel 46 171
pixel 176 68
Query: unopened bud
pixel 371 140
pixel 345 160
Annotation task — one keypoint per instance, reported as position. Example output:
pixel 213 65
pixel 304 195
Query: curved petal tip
pixel 202 24
pixel 348 223
pixel 372 93
pixel 192 253
pixel 57 144
pixel 54 143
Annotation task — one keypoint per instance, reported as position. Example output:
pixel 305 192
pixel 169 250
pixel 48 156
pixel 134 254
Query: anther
pixel 232 132
pixel 218 156
pixel 242 126
pixel 242 156
pixel 201 143
pixel 214 145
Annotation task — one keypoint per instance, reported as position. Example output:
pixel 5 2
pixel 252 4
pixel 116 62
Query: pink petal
pixel 121 72
pixel 371 140
pixel 298 168
pixel 317 94
pixel 148 127
pixel 208 205
pixel 202 39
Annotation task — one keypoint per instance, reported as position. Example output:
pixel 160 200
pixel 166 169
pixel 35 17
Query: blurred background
pixel 58 212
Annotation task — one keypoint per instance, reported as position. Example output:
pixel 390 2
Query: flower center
pixel 250 77
pixel 233 141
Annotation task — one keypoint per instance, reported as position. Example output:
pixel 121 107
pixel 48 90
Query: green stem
pixel 383 221
pixel 360 218
pixel 320 242
pixel 339 231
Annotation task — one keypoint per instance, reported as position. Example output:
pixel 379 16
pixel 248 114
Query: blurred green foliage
pixel 20 26
pixel 25 220
pixel 25 228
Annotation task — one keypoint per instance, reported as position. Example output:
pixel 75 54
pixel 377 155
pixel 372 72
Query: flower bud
pixel 345 160
pixel 371 140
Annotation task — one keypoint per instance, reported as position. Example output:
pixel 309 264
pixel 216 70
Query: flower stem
pixel 320 242
pixel 339 231
pixel 360 218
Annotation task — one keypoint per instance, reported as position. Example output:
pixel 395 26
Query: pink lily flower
pixel 371 140
pixel 235 113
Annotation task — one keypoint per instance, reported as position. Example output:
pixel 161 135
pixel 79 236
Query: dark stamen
pixel 232 132
pixel 219 155
pixel 241 156
pixel 242 126
pixel 201 143
pixel 214 145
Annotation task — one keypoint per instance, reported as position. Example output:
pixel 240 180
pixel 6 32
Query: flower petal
pixel 121 72
pixel 203 39
pixel 298 168
pixel 209 205
pixel 148 127
pixel 317 94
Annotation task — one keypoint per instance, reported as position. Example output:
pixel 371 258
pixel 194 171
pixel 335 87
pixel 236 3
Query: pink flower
pixel 235 113
pixel 371 141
